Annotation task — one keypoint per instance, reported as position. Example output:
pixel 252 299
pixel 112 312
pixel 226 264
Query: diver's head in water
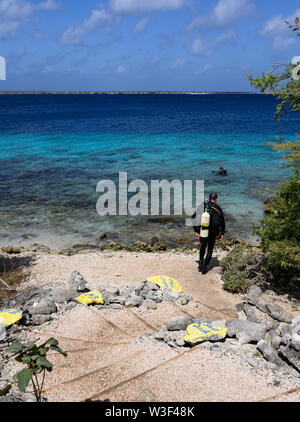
pixel 213 197
pixel 222 172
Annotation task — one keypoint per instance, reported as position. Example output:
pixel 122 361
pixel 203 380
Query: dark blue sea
pixel 56 148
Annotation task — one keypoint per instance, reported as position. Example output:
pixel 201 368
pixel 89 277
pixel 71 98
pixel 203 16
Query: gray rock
pixel 40 319
pixel 42 307
pixel 253 295
pixel 2 332
pixel 133 301
pixel 184 300
pixel 110 298
pixel 255 315
pixel 275 339
pixel 275 311
pixel 179 323
pixel 113 290
pixel 27 295
pixel 180 340
pixel 295 321
pixel 291 355
pixel 174 338
pixel 295 340
pixel 63 294
pixel 9 399
pixel 126 291
pixel 116 306
pixel 286 339
pixel 77 282
pixel 262 306
pixel 150 304
pixel 160 335
pixel 204 319
pixel 286 329
pixel 269 353
pixel 239 306
pixel 151 286
pixel 169 295
pixel 28 398
pixel 175 294
pixel 154 296
pixel 246 331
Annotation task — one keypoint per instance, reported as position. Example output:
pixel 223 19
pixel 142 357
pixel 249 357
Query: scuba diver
pixel 222 172
pixel 212 225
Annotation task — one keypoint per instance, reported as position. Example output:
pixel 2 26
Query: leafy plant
pixel 35 359
pixel 280 229
pixel 283 81
pixel 238 266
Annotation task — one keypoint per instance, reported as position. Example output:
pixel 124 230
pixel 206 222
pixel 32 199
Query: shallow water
pixel 56 148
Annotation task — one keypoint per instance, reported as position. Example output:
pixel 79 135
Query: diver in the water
pixel 221 172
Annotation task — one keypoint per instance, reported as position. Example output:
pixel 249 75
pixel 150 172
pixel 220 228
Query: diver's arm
pixel 223 225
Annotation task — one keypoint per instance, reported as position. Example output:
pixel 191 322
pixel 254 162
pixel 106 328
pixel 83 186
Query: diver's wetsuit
pixel 216 228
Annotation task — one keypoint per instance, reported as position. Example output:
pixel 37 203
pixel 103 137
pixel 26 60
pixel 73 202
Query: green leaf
pixel 26 360
pixel 42 351
pixel 15 347
pixel 44 363
pixel 58 349
pixel 24 378
pixel 30 346
pixel 5 390
pixel 52 342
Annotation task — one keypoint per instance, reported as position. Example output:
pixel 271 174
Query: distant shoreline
pixel 131 92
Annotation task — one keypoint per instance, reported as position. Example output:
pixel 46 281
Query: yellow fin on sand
pixel 91 297
pixel 165 281
pixel 10 316
pixel 203 330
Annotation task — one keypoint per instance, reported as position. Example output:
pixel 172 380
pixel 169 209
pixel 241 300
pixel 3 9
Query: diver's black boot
pixel 200 268
pixel 204 269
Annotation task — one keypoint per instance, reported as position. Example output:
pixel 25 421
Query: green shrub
pixel 280 238
pixel 236 282
pixel 237 267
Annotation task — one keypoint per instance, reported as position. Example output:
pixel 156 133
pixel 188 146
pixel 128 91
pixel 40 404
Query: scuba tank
pixel 205 221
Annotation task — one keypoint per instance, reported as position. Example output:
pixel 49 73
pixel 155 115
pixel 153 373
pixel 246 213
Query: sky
pixel 179 45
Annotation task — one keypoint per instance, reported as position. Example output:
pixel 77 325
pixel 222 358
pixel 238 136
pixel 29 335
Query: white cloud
pixel 74 34
pixel 121 69
pixel 15 13
pixel 179 63
pixel 49 5
pixel 135 6
pixel 141 25
pixel 204 69
pixel 278 31
pixel 201 48
pixel 225 13
pixel 228 37
pixel 155 60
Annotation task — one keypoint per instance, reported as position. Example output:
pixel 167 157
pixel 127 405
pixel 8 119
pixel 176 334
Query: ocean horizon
pixel 56 148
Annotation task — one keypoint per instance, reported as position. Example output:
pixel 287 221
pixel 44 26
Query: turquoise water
pixel 55 149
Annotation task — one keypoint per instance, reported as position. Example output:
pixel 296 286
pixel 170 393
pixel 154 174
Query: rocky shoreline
pixel 265 335
pixel 108 243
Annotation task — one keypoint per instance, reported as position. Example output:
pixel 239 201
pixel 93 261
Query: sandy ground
pixel 119 268
pixel 104 359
